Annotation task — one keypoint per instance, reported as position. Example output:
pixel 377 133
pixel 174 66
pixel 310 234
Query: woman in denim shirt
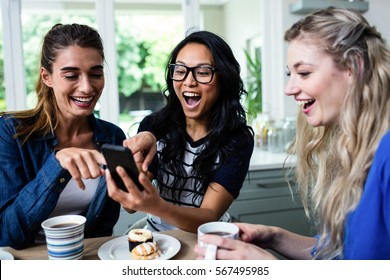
pixel 50 160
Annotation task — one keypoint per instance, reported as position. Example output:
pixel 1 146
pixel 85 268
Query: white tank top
pixel 74 200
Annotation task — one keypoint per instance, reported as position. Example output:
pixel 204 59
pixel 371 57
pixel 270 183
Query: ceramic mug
pixel 224 229
pixel 65 237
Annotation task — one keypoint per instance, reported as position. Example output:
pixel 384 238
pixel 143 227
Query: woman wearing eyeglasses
pixel 204 144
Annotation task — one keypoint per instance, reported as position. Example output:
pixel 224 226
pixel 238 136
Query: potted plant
pixel 254 99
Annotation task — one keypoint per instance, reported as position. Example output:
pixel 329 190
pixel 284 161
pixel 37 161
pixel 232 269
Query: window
pixel 144 40
pixel 145 33
pixel 35 24
pixel 143 37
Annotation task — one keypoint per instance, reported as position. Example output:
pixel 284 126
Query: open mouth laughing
pixel 191 98
pixel 305 104
pixel 83 101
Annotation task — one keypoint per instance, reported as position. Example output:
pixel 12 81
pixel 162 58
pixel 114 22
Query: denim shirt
pixel 32 179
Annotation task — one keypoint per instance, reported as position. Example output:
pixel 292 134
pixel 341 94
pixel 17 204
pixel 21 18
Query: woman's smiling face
pixel 316 83
pixel 196 99
pixel 77 80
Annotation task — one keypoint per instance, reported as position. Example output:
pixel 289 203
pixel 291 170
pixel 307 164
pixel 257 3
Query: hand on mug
pixel 221 229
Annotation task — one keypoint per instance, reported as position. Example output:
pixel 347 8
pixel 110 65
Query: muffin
pixel 139 236
pixel 146 251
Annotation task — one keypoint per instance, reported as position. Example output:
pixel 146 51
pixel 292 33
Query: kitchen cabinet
pixel 265 198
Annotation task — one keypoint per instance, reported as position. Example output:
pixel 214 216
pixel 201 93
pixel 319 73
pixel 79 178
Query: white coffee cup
pixel 223 229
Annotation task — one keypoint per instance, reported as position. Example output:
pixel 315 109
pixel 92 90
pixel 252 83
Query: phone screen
pixel 116 155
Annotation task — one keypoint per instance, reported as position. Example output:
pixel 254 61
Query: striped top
pixel 231 176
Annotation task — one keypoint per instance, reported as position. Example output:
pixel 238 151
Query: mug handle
pixel 211 252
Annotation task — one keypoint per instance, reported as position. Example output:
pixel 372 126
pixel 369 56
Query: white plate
pixel 4 255
pixel 118 248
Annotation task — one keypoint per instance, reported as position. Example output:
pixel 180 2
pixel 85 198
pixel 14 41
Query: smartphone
pixel 116 155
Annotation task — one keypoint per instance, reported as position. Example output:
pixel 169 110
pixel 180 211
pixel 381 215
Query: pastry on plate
pixel 146 251
pixel 138 236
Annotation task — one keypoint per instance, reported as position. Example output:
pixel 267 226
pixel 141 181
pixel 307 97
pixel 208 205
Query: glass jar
pixel 262 124
pixel 289 130
pixel 275 137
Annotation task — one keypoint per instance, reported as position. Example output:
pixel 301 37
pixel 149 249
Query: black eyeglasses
pixel 202 74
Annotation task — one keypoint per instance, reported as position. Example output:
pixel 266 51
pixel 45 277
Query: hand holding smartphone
pixel 116 155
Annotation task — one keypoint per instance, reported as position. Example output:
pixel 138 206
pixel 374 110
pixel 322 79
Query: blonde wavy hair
pixel 333 161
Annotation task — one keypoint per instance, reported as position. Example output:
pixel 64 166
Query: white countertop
pixel 262 160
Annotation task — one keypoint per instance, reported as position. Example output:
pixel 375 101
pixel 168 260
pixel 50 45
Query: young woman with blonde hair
pixel 339 73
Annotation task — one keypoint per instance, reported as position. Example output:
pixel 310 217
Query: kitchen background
pixel 138 35
pixel 252 27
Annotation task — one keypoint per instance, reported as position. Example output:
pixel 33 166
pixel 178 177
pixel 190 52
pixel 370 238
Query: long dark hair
pixel 227 117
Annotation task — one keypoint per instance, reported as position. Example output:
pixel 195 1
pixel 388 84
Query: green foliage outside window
pixel 140 59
